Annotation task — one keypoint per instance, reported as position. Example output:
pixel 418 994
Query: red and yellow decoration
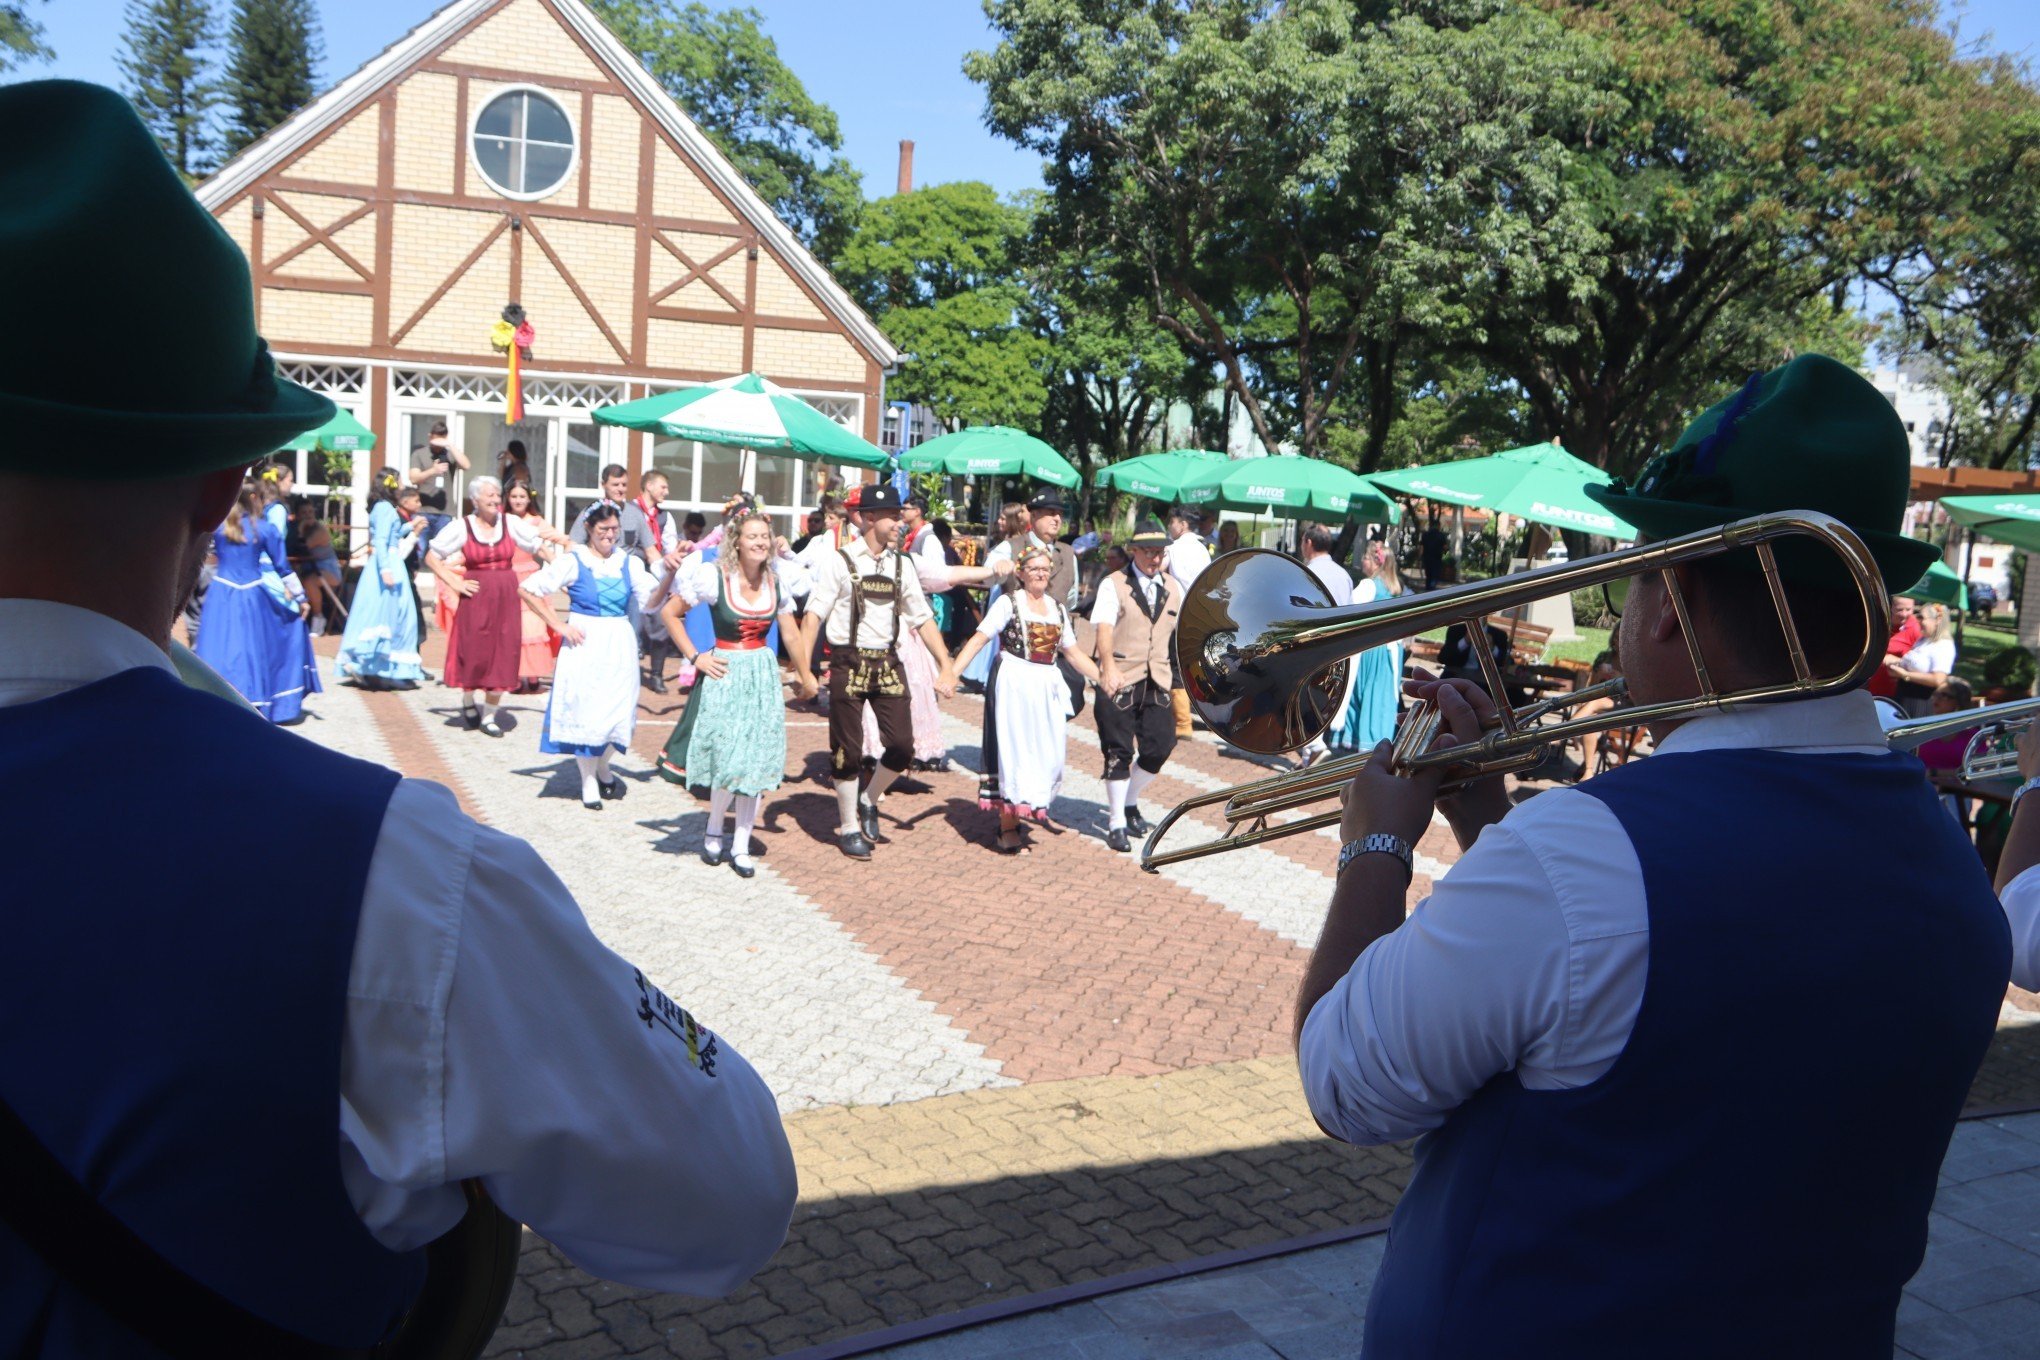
pixel 513 335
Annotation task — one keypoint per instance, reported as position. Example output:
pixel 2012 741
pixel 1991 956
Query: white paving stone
pixel 822 1018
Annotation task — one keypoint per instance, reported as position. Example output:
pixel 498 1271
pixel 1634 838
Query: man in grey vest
pixel 1136 617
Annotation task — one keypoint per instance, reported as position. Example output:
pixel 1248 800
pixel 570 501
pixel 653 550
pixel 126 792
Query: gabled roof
pixel 350 95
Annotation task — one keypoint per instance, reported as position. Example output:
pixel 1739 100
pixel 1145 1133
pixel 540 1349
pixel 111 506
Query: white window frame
pixel 578 134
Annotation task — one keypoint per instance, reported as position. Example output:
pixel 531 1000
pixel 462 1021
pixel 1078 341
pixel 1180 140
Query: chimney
pixel 906 167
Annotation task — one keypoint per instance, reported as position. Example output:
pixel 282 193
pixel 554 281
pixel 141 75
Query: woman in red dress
pixel 486 642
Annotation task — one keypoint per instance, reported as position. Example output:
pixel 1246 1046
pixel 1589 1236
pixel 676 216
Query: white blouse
pixel 1001 613
pixel 1937 658
pixel 565 569
pixel 453 536
pixel 695 583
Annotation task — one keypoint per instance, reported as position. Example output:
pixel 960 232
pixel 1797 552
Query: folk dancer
pixel 864 600
pixel 537 643
pixel 736 745
pixel 1581 1017
pixel 923 551
pixel 1374 694
pixel 664 550
pixel 282 1105
pixel 243 633
pixel 296 669
pixel 1032 709
pixel 379 646
pixel 592 710
pixel 1186 558
pixel 485 648
pixel 1044 530
pixel 1135 617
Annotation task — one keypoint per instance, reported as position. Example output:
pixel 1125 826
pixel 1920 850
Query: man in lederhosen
pixel 1135 617
pixel 864 595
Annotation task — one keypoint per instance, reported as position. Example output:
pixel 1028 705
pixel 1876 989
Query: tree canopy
pixel 165 53
pixel 272 66
pixel 722 67
pixel 21 38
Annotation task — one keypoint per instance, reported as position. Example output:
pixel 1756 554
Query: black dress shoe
pixel 656 684
pixel 853 845
pixel 612 788
pixel 471 715
pixel 1136 823
pixel 1115 836
pixel 592 804
pixel 489 729
pixel 743 866
pixel 711 860
pixel 867 821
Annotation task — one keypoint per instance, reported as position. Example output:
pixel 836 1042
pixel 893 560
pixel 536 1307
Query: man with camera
pixel 431 462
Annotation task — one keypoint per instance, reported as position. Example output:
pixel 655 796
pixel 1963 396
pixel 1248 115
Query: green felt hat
pixel 131 319
pixel 1812 434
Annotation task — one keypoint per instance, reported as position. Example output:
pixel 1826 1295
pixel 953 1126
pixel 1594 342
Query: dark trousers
pixel 895 716
pixel 1138 718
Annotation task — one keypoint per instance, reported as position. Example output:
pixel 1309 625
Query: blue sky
pixel 890 72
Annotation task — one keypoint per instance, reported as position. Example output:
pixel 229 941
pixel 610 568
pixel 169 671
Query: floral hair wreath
pixel 1028 554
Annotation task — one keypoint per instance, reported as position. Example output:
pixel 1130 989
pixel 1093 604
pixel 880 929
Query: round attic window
pixel 523 144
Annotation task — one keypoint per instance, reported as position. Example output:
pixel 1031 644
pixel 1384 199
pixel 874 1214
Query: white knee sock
pixel 747 817
pixel 589 791
pixel 1115 803
pixel 718 813
pixel 602 763
pixel 846 805
pixel 1136 780
pixel 881 780
pixel 489 708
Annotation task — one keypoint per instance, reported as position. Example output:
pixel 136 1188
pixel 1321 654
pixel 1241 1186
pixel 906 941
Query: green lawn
pixel 1979 645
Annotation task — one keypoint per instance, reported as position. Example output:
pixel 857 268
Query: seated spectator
pixel 1922 670
pixel 1945 753
pixel 1606 668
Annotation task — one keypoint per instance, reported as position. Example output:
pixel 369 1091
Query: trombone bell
pixel 1264 698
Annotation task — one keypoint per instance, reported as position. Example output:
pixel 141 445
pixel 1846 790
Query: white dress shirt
pixel 1105 609
pixel 831 597
pixel 489 1034
pixel 1530 954
pixel 1327 569
pixel 1936 658
pixel 2021 899
pixel 1184 558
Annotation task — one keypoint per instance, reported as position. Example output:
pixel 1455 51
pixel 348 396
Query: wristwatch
pixel 2023 790
pixel 1379 843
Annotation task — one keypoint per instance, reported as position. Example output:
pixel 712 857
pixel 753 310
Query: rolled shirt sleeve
pixel 1105 608
pixel 1529 956
pixel 554 576
pixel 2021 900
pixel 491 1035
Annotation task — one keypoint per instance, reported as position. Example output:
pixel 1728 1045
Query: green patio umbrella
pixel 1159 476
pixel 1293 487
pixel 748 412
pixel 1540 482
pixel 342 433
pixel 991 451
pixel 2007 519
pixel 1941 584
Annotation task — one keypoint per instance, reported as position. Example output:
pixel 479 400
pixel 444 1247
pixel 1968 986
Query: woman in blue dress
pixel 380 647
pixel 296 665
pixel 1376 700
pixel 243 633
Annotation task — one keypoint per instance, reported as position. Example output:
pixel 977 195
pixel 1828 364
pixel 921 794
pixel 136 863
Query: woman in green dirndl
pixel 733 738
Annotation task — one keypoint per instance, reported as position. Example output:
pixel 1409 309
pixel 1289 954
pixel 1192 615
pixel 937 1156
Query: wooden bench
pixel 1527 641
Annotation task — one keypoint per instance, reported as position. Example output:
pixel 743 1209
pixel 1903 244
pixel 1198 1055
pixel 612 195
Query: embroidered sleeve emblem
pixel 656 1008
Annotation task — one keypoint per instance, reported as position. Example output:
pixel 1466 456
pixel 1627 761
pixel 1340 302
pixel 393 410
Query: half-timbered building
pixel 513 151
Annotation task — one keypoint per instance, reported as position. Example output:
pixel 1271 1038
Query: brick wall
pixel 523 36
pixel 428 139
pixel 347 155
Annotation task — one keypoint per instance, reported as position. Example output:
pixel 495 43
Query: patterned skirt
pixel 737 740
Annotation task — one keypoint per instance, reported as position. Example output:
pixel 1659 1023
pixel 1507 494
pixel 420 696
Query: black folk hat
pixel 1046 502
pixel 1148 534
pixel 879 496
pixel 134 314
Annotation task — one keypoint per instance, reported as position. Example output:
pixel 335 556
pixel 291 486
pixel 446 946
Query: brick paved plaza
pixel 1000 1075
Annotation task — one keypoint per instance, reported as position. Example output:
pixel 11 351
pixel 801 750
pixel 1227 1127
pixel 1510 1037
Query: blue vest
pixel 1753 1175
pixel 172 997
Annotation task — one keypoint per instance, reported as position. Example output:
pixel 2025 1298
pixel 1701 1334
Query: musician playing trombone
pixel 1685 1056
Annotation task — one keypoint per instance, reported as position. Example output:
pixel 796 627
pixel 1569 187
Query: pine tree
pixel 273 55
pixel 21 38
pixel 169 45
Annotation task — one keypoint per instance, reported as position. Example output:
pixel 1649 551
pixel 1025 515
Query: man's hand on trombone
pixel 1467 714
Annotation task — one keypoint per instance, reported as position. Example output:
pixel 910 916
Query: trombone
pixel 1263 653
pixel 1992 753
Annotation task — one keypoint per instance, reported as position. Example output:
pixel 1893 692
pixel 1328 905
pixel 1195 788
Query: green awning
pixel 1159 476
pixel 1539 482
pixel 991 451
pixel 1942 585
